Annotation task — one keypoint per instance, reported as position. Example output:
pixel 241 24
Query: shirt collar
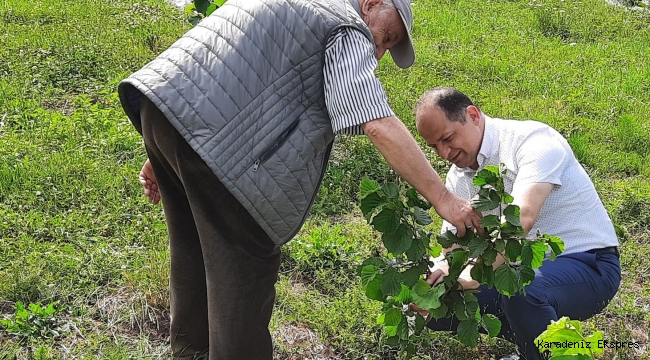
pixel 489 147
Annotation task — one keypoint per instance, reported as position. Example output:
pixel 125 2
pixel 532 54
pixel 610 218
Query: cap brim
pixel 403 53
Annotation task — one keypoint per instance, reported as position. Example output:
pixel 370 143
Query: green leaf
pixel 390 282
pixel 567 330
pixel 464 241
pixel 190 9
pixel 468 332
pixel 391 190
pixel 492 324
pixel 368 273
pixel 417 250
pixel 371 202
pixel 195 19
pixel 594 339
pixel 507 199
pixel 459 311
pixel 393 340
pixel 403 329
pixel 411 276
pixel 477 246
pixel 489 256
pixel 381 319
pixel 391 331
pixel 386 221
pixel 526 275
pixel 420 323
pixel 468 295
pixel 412 194
pixel 425 296
pixel 211 9
pixel 509 230
pixel 368 187
pixel 486 199
pixel 378 262
pixel 219 2
pixel 440 312
pixel 415 201
pixel 512 213
pixel 506 281
pixel 399 241
pixel 477 273
pixel 572 357
pixel 404 296
pixel 488 275
pixel 447 239
pixel 487 176
pixel 435 251
pixel 421 216
pixel 532 253
pixel 465 310
pixel 459 258
pixel 499 245
pixel 202 5
pixel 490 221
pixel 411 349
pixel 556 244
pixel 393 317
pixel 513 250
pixel 373 289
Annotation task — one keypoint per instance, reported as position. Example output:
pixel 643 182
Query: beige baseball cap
pixel 403 53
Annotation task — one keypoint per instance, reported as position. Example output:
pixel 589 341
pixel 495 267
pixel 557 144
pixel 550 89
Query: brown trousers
pixel 223 266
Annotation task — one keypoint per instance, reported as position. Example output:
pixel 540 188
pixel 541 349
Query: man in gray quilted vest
pixel 238 119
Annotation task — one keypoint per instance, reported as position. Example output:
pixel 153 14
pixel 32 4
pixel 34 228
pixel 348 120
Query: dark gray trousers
pixel 223 266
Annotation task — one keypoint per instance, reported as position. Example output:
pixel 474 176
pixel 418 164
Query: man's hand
pixel 465 281
pixel 459 212
pixel 438 272
pixel 148 181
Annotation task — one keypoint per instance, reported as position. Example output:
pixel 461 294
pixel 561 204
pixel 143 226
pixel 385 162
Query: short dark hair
pixel 449 99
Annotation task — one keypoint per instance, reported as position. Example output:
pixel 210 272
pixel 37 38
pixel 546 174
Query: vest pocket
pixel 273 148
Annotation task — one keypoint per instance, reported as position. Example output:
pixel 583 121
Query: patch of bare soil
pixel 298 342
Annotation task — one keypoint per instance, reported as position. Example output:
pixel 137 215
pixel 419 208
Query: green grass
pixel 74 227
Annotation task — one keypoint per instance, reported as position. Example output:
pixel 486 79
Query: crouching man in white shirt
pixel 556 197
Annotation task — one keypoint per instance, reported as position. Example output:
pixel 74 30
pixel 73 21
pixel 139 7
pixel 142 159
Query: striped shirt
pixel 353 94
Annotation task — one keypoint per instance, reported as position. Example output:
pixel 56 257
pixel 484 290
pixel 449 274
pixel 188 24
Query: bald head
pixel 451 101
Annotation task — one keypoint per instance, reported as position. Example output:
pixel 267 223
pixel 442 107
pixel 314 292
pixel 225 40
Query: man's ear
pixel 474 114
pixel 366 5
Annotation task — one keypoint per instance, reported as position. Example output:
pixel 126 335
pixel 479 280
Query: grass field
pixel 75 229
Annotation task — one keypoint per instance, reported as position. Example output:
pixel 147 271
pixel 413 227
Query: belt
pixel 611 250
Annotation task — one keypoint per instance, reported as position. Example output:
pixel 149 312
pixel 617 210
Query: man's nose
pixel 380 52
pixel 443 151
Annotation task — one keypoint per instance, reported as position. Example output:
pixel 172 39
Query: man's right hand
pixel 148 181
pixel 459 212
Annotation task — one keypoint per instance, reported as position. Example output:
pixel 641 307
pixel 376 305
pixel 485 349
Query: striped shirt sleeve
pixel 353 94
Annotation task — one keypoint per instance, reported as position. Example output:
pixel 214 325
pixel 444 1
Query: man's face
pixel 385 25
pixel 456 142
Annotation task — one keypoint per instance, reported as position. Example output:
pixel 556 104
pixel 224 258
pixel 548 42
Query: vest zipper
pixel 273 148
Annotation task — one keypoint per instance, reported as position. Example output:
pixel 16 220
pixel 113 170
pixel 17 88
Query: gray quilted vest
pixel 245 89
